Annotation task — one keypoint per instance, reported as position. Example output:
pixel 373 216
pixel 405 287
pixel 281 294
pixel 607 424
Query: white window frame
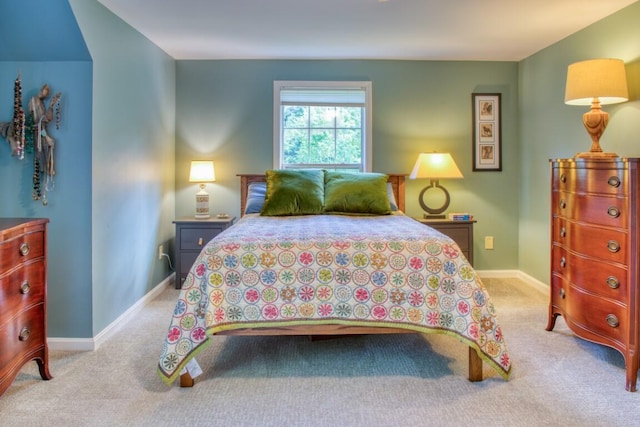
pixel 279 85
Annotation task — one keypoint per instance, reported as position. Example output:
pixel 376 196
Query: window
pixel 322 125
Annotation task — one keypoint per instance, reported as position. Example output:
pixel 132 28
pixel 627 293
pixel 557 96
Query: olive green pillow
pixel 293 192
pixel 356 193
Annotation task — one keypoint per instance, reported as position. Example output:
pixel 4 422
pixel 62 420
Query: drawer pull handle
pixel 24 249
pixel 563 262
pixel 563 204
pixel 562 293
pixel 613 212
pixel 612 320
pixel 613 282
pixel 614 181
pixel 613 246
pixel 25 288
pixel 200 241
pixel 563 232
pixel 563 178
pixel 24 334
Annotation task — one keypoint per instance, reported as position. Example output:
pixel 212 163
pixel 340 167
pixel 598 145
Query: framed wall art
pixel 487 141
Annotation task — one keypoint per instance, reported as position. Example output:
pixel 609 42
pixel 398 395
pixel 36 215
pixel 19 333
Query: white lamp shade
pixel 604 79
pixel 202 171
pixel 435 166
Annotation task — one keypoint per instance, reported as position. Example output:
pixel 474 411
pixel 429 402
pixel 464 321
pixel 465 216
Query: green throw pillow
pixel 356 193
pixel 294 192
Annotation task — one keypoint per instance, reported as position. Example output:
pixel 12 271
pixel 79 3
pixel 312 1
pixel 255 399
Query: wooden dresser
pixel 23 297
pixel 594 253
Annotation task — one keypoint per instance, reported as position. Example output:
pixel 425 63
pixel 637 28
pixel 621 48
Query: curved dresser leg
pixel 43 367
pixel 552 320
pixel 632 373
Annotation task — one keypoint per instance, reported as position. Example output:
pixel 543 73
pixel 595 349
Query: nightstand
pixel 191 236
pixel 460 231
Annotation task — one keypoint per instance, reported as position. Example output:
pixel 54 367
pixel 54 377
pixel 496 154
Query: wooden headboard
pixel 396 180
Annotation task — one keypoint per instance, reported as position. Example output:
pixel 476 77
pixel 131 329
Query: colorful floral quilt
pixel 379 271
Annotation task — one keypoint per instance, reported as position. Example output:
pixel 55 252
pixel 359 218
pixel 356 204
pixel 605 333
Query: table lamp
pixel 202 172
pixel 435 166
pixel 595 82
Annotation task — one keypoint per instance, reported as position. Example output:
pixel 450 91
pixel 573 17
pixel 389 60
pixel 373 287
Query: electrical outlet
pixel 160 251
pixel 488 242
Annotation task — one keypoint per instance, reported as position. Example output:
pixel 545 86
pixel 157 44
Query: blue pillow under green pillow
pixel 356 193
pixel 293 192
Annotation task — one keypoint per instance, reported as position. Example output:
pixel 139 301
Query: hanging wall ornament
pixel 13 131
pixel 43 142
pixel 18 118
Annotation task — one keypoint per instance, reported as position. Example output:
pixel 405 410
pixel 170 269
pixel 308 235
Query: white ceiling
pixel 500 30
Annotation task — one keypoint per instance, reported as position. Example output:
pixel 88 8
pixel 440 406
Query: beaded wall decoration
pixel 42 142
pixel 30 134
pixel 14 130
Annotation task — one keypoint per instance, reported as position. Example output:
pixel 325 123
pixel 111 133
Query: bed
pixel 331 273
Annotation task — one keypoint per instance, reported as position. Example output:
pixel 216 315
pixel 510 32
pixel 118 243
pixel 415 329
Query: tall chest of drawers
pixel 594 253
pixel 23 297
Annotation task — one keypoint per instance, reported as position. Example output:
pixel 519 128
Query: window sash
pixel 339 94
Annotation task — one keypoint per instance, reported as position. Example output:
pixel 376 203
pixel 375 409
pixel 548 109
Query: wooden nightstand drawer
pixel 196 238
pixel 460 231
pixel 191 236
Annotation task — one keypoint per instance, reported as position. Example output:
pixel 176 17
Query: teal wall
pixel 551 129
pixel 133 161
pixel 32 48
pixel 114 197
pixel 224 112
pixel 69 204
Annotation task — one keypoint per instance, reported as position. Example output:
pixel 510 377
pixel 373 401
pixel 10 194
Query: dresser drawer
pixel 603 210
pixel 602 278
pixel 602 243
pixel 605 318
pixel 21 249
pixel 20 337
pixel 21 288
pixel 196 238
pixel 586 180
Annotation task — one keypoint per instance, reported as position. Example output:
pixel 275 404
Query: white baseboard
pixel 91 344
pixel 529 280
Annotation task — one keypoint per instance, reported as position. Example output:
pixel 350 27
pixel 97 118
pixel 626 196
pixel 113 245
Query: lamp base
pixel 595 155
pixel 595 122
pixel 202 203
pixel 434 213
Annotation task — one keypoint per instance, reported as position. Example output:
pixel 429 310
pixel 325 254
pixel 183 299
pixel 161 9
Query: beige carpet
pixel 412 380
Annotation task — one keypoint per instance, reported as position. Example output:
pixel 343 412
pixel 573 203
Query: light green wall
pixel 132 192
pixel 224 112
pixel 551 129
